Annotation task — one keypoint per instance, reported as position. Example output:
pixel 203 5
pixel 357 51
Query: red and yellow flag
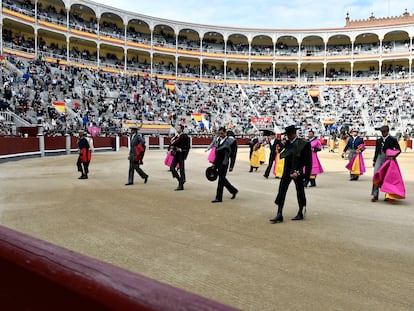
pixel 197 116
pixel 170 86
pixel 60 106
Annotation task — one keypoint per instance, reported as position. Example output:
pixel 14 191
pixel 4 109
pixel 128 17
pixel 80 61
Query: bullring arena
pixel 348 254
pixel 76 65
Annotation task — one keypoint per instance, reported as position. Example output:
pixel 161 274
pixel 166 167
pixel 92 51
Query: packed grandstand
pixel 68 67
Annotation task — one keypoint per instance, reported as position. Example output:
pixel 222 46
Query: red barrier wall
pixel 55 142
pixel 36 275
pixel 153 141
pixel 101 142
pixel 13 145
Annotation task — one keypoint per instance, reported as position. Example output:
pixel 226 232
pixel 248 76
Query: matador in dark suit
pixel 179 148
pixel 135 164
pixel 225 158
pixel 298 165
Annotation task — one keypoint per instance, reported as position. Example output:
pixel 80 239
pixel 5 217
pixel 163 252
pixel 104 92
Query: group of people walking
pixel 298 156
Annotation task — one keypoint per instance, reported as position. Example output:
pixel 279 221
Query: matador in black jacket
pixel 298 165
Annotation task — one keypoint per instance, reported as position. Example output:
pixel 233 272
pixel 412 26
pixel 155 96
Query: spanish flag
pixel 197 116
pixel 170 86
pixel 59 106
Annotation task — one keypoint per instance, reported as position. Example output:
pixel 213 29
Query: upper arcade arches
pixel 312 46
pixel 189 39
pixel 262 45
pixel 213 42
pixel 287 45
pixel 164 35
pixel 53 11
pixel 138 31
pixel 338 44
pixel 111 25
pixel 238 44
pixel 83 18
pixel 108 35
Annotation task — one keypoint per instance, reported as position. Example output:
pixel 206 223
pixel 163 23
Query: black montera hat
pixel 291 129
pixel 211 173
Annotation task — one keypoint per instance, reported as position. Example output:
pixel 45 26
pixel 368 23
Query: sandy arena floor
pixel 348 254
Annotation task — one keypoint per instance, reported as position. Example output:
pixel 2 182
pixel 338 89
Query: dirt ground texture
pixel 348 254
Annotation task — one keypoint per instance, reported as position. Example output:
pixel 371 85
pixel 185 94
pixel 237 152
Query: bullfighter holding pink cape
pixel 356 164
pixel 354 148
pixel 317 169
pixel 389 179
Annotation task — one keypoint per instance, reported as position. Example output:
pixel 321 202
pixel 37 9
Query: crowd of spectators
pixel 107 100
pixel 15 40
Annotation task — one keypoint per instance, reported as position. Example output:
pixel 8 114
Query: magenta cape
pixel 316 164
pixel 356 165
pixel 212 155
pixel 168 160
pixel 389 179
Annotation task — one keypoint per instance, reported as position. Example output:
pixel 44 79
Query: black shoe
pixel 129 184
pixel 265 176
pixel 145 179
pixel 374 198
pixel 83 177
pixel 276 219
pixel 179 188
pixel 299 216
pixel 234 195
pixel 216 201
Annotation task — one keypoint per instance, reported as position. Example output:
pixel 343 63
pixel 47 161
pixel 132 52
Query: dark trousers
pixel 270 165
pixel 178 159
pixel 135 166
pixel 283 188
pixel 83 167
pixel 223 182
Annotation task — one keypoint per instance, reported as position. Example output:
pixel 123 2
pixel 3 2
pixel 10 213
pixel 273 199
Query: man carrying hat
pixel 298 165
pixel 384 143
pixel 224 160
pixel 179 146
pixel 134 161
